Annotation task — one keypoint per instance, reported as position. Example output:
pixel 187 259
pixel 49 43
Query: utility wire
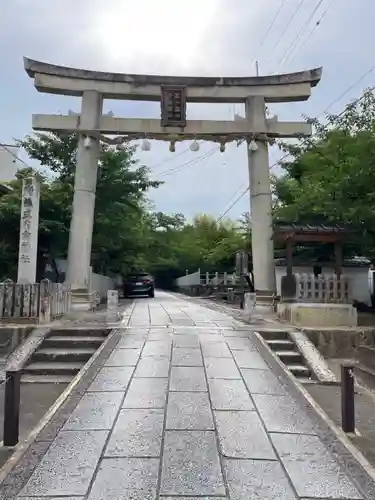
pixel 8 150
pixel 188 163
pixel 233 204
pixel 270 27
pixel 317 24
pixel 170 159
pixel 351 87
pixel 298 8
pixel 300 33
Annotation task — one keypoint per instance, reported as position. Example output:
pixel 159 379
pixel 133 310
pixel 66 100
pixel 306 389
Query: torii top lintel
pixel 70 81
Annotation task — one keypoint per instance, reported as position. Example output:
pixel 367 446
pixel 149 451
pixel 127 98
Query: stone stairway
pixel 365 364
pixel 284 347
pixel 62 354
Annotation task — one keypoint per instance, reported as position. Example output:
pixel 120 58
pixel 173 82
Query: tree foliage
pixel 127 235
pixel 331 176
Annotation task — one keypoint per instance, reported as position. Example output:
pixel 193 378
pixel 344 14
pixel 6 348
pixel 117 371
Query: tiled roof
pixel 312 228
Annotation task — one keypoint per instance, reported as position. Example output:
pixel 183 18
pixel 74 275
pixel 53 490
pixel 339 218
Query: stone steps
pixel 62 355
pixel 299 370
pixel 68 354
pixel 280 344
pixel 289 357
pixel 366 356
pixel 70 341
pixel 274 335
pixel 80 332
pixel 285 349
pixel 305 380
pixel 54 367
pixel 46 379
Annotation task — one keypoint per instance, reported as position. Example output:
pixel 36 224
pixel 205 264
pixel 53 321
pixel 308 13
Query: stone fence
pixel 222 285
pixel 40 302
pixel 323 288
pixel 207 279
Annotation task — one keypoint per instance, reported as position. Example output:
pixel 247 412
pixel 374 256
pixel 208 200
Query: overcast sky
pixel 191 37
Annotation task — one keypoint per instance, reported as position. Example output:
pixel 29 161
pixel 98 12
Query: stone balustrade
pixel 328 288
pixel 39 302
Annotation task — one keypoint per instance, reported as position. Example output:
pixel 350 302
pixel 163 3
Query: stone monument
pixel 28 246
pixel 174 93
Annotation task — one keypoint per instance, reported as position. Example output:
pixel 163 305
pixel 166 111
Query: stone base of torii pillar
pixel 265 303
pixel 82 300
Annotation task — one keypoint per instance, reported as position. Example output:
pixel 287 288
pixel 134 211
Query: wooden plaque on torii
pixel 173 106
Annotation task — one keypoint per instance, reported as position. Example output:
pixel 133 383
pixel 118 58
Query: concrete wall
pixel 98 282
pixel 101 284
pixel 189 280
pixel 358 276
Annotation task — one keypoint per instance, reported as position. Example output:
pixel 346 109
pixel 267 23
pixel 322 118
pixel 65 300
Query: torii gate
pixel 173 92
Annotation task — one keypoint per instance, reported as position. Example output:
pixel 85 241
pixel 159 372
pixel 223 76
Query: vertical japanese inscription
pixel 173 106
pixel 28 231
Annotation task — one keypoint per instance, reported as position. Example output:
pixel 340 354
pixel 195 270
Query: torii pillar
pixel 82 223
pixel 261 206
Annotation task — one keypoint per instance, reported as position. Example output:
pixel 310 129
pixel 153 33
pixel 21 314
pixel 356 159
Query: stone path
pixel 186 407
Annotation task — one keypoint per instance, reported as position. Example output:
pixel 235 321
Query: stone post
pixel 81 227
pixel 28 246
pixel 112 306
pixel 261 206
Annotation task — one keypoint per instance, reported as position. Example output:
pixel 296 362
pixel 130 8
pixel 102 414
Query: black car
pixel 139 284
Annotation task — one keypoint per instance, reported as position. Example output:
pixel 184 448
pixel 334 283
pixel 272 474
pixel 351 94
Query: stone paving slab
pixel 191 464
pixel 95 411
pixel 124 357
pixel 110 378
pixel 242 435
pixel 181 409
pixel 216 350
pixel 188 378
pixel 68 466
pixel 257 479
pixel 229 395
pixel 146 393
pixel 282 414
pixel 184 356
pixel 122 478
pixel 137 433
pixel 189 410
pixel 306 457
pixel 262 382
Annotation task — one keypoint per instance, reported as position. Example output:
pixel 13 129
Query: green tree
pixel 332 176
pixel 128 235
pixel 53 222
pixel 120 199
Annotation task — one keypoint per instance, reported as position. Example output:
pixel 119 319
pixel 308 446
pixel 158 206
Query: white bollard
pixel 112 305
pixel 249 305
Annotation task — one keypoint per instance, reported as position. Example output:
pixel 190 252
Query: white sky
pixel 206 37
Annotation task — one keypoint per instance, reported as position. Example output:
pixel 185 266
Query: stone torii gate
pixel 174 93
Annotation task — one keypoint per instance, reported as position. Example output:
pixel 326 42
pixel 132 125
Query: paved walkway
pixel 186 407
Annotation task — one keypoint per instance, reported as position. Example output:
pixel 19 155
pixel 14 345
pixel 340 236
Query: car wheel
pixel 151 294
